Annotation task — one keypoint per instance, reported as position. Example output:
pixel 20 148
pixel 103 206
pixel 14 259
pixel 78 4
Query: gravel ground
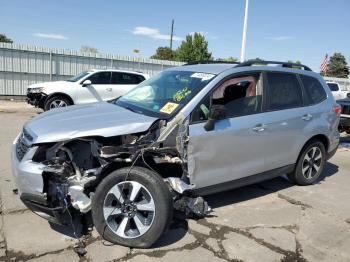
pixel 270 221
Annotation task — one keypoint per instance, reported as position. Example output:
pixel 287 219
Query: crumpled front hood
pixel 96 119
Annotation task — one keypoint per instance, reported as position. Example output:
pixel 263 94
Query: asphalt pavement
pixel 270 221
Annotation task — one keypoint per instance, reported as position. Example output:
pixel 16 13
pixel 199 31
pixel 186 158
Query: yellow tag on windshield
pixel 169 108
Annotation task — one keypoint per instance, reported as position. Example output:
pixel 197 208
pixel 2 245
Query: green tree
pixel 229 59
pixel 88 49
pixel 5 39
pixel 295 62
pixel 193 48
pixel 259 61
pixel 164 53
pixel 338 66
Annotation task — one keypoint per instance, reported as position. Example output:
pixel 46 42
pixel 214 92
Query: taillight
pixel 337 110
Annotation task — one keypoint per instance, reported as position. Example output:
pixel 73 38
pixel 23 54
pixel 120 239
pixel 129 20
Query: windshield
pixel 164 94
pixel 78 77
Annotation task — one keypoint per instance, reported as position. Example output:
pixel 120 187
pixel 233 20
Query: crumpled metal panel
pixel 178 185
pixel 97 119
pixel 229 152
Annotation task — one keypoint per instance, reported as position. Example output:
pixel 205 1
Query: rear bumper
pixel 36 99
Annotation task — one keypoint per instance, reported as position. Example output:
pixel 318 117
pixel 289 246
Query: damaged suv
pixel 187 132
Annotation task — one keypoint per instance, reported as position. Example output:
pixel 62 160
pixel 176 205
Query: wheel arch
pixel 59 94
pixel 320 137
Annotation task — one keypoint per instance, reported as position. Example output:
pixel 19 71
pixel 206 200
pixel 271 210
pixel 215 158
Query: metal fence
pixel 22 65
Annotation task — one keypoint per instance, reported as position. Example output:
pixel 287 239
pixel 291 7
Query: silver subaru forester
pixel 187 132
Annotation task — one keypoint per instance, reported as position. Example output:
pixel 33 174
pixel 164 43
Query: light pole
pixel 244 31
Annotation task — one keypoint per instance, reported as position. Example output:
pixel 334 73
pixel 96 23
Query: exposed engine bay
pixel 74 168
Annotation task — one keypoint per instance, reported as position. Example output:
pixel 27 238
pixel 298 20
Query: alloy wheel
pixel 312 162
pixel 129 209
pixel 58 103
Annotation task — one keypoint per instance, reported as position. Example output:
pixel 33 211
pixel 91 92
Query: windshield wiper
pixel 133 110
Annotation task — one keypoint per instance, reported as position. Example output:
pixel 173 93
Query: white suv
pixel 87 87
pixel 336 91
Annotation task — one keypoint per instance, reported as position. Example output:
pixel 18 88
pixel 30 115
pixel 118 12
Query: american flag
pixel 324 65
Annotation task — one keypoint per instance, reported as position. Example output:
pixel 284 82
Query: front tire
pixel 132 207
pixel 56 102
pixel 310 164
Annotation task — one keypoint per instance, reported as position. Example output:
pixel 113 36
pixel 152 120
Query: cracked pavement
pixel 269 221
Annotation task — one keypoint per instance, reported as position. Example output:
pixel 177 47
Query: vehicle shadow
pixel 261 189
pixel 179 227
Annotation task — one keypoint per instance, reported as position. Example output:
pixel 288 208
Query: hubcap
pixel 312 163
pixel 58 103
pixel 129 209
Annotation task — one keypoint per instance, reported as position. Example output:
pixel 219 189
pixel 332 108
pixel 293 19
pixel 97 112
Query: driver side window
pixel 241 95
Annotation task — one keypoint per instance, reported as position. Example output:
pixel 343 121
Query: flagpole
pixel 244 31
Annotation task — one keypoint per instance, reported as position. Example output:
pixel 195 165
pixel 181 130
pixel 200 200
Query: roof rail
pixel 283 64
pixel 211 62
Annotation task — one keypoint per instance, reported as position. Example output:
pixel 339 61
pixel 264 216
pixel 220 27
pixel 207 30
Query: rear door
pixel 99 90
pixel 285 117
pixel 123 82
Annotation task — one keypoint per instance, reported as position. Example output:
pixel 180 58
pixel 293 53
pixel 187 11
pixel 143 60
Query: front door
pixel 236 146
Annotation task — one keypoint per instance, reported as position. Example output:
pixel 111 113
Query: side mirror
pixel 217 112
pixel 348 95
pixel 87 82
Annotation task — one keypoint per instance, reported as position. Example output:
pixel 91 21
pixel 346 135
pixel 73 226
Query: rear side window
pixel 313 89
pixel 100 78
pixel 333 87
pixel 119 78
pixel 283 91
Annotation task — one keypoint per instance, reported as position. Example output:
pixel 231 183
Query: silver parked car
pixel 187 132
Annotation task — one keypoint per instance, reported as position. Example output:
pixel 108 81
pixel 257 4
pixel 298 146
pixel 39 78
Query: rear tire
pixel 310 164
pixel 56 102
pixel 154 196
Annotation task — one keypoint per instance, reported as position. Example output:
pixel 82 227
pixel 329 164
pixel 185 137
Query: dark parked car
pixel 344 124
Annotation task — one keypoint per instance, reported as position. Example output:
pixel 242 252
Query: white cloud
pixel 153 33
pixel 51 36
pixel 282 38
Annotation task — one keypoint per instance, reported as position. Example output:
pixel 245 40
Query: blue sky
pixel 302 30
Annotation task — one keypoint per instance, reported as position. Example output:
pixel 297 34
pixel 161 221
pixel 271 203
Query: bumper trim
pixel 39 205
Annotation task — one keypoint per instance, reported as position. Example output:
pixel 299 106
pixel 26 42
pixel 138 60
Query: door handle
pixel 306 117
pixel 109 89
pixel 259 128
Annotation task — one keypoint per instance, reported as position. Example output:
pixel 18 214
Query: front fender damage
pixel 74 168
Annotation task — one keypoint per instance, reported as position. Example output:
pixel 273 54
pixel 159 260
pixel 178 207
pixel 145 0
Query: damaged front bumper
pixel 30 182
pixel 36 99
